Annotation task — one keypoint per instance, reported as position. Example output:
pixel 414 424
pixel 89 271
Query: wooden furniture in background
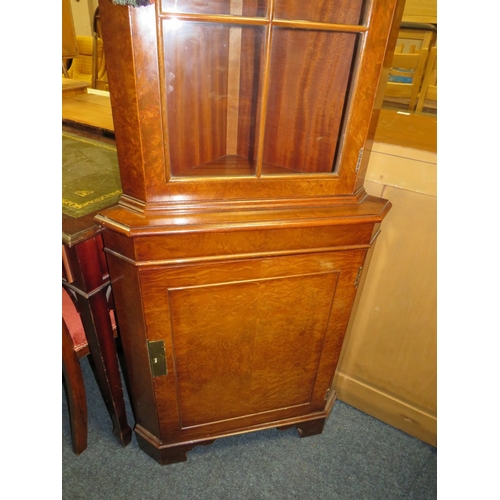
pixel 420 11
pixel 99 73
pixel 72 88
pixel 388 366
pixel 428 94
pixel 407 130
pixel 91 110
pixel 75 347
pixel 85 274
pixel 243 230
pixel 75 387
pixel 69 46
pixel 90 64
pixel 408 66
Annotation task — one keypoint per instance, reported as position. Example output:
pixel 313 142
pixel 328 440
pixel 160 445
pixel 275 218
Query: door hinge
pixel 157 358
pixel 358 276
pixel 327 394
pixel 360 156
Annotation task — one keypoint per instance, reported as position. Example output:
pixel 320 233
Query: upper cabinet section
pixel 253 95
pixel 256 88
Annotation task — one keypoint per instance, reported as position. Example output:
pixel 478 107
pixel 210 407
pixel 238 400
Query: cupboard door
pixel 248 341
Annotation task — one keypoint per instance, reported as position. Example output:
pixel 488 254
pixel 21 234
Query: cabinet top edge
pixel 132 223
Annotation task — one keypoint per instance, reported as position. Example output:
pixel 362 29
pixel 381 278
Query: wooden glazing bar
pixel 265 93
pixel 216 18
pixel 233 90
pixel 311 25
pixel 260 21
pixel 367 13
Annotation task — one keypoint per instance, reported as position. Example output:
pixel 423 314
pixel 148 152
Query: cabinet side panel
pixel 118 47
pixel 130 44
pixel 351 266
pixel 128 303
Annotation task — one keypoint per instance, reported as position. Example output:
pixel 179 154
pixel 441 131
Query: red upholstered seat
pixel 73 322
pixel 75 325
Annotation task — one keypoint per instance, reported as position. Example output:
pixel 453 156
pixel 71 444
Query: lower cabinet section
pixel 239 345
pixel 240 330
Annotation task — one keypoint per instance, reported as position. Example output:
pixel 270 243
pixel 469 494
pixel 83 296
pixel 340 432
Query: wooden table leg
pixel 92 305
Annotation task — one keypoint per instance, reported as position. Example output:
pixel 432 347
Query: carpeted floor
pixel 356 457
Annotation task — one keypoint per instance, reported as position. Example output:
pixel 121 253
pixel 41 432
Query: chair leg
pixel 77 400
pixel 94 312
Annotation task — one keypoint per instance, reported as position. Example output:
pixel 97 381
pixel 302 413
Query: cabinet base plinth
pixel 169 455
pixel 306 429
pixel 175 453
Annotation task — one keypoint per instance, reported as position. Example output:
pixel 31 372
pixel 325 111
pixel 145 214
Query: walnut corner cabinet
pixel 237 246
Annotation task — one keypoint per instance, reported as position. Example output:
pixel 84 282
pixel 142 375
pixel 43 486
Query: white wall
pixel 83 11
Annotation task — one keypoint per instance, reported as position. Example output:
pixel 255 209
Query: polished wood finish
pixel 243 228
pixel 85 273
pixel 144 89
pixel 74 347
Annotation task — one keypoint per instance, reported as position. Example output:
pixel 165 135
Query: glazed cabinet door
pixel 243 99
pixel 246 342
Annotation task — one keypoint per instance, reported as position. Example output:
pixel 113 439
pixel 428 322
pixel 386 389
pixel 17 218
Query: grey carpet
pixel 356 457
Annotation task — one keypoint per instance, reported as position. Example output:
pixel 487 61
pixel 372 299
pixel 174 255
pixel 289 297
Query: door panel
pixel 248 347
pixel 245 341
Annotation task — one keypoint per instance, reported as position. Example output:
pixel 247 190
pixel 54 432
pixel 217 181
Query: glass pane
pixel 213 75
pixel 310 73
pixel 248 8
pixel 324 11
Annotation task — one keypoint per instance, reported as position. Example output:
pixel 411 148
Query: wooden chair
pixel 428 94
pixel 74 347
pixel 90 64
pixel 99 72
pixel 69 47
pixel 408 67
